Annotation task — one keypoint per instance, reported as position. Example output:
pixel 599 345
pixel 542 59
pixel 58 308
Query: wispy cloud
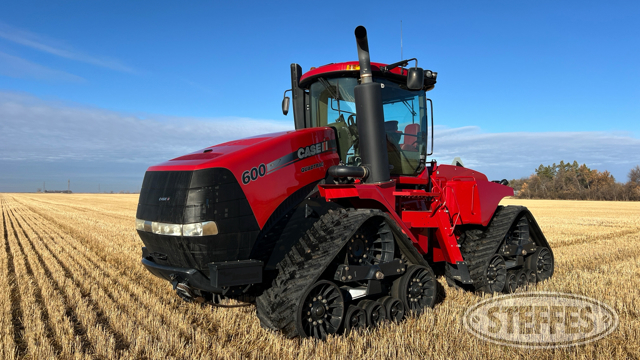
pixel 18 67
pixel 58 48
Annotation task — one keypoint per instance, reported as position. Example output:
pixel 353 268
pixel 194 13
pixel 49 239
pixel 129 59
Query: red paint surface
pixel 340 67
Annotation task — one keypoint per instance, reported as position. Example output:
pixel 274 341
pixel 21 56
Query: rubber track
pixel 478 250
pixel 303 265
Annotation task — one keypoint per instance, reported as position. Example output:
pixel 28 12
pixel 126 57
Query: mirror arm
pixel 402 63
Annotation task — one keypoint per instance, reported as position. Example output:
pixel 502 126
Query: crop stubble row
pixel 75 285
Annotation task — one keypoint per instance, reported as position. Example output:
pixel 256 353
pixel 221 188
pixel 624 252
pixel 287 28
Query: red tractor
pixel 342 223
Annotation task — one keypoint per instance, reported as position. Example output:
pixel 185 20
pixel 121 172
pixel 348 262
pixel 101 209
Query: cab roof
pixel 352 69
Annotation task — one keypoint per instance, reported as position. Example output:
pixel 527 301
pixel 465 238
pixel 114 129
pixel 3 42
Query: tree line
pixel 577 182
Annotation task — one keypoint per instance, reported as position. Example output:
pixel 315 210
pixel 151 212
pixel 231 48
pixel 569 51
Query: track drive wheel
pixel 356 318
pixel 376 313
pixel 417 289
pixel 394 307
pixel 542 262
pixel 322 310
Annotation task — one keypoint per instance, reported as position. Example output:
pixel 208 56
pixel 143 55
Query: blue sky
pixel 519 84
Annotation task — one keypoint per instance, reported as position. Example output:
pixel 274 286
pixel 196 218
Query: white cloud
pixel 17 67
pixel 517 154
pixel 57 48
pixel 47 140
pixel 37 130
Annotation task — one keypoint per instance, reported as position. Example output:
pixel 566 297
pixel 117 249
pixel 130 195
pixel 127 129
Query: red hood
pixel 208 157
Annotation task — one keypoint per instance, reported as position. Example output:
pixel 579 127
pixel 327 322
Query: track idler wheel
pixel 394 307
pixel 356 318
pixel 376 313
pixel 495 275
pixel 542 262
pixel 322 310
pixel 417 289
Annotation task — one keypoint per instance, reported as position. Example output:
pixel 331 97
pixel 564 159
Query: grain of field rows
pixel 74 288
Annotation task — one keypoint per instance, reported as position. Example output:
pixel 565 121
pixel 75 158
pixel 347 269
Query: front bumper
pixel 222 275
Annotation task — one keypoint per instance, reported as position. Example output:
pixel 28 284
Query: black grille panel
pixel 183 197
pixel 159 186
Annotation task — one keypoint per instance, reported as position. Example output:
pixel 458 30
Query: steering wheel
pixel 351 120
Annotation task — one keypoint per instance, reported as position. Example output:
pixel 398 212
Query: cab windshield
pixel 405 120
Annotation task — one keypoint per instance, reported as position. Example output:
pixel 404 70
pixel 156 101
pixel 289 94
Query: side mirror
pixel 415 78
pixel 285 103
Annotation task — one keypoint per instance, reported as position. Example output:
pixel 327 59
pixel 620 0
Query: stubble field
pixel 73 287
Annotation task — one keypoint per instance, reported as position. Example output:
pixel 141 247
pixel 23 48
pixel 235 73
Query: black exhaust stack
pixel 368 96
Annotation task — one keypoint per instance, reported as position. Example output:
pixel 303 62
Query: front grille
pixel 183 197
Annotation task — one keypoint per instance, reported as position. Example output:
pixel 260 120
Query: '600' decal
pixel 253 174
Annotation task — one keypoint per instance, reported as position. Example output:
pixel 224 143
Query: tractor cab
pixel 325 97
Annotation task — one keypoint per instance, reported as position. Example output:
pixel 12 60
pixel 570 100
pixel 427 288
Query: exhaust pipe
pixel 368 96
pixel 363 55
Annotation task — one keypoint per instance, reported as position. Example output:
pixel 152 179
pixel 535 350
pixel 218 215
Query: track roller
pixel 511 284
pixel 322 310
pixel 417 289
pixel 394 307
pixel 376 313
pixel 532 277
pixel 522 278
pixel 356 318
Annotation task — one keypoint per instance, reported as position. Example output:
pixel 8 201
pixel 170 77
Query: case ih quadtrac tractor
pixel 342 223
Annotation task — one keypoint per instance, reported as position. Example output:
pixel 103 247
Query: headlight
pixel 139 224
pixel 209 228
pixel 192 229
pixel 166 229
pixel 197 229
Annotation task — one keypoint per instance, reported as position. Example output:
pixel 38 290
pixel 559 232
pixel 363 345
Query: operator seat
pixel 410 137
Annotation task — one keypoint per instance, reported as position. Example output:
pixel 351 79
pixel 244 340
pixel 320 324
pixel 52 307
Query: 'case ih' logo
pixel 314 149
pixel 164 199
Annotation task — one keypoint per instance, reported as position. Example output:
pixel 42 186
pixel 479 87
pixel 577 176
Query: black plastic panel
pixel 157 187
pixel 234 273
pixel 183 197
